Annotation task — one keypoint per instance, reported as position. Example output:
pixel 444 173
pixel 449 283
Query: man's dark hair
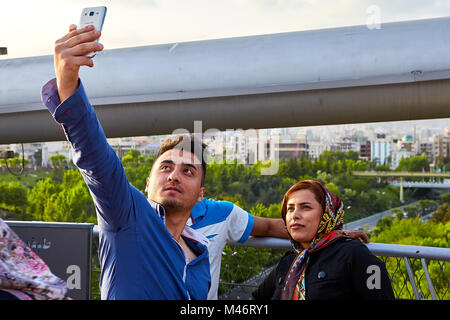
pixel 189 143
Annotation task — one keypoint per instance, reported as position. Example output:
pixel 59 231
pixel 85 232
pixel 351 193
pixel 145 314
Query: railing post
pixel 411 278
pixel 429 282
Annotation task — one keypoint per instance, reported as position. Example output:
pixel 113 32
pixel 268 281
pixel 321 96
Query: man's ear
pixel 201 194
pixel 146 187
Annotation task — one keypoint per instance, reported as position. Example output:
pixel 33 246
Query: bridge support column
pixel 401 190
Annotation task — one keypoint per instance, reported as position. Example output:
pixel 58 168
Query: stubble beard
pixel 173 205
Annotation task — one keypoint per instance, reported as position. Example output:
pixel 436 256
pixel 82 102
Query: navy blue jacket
pixel 343 270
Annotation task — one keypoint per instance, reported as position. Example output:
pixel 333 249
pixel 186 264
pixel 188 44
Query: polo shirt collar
pixel 199 210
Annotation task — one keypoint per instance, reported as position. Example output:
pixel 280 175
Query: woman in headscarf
pixel 325 263
pixel 23 275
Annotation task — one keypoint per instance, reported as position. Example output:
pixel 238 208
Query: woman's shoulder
pixel 347 247
pixel 350 244
pixel 355 250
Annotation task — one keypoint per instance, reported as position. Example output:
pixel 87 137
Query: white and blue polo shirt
pixel 221 222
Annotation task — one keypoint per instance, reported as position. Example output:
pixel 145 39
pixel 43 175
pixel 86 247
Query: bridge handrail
pixel 379 249
pixel 401 174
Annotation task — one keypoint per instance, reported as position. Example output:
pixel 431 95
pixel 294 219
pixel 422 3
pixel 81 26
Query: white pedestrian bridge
pixel 423 184
pixel 316 77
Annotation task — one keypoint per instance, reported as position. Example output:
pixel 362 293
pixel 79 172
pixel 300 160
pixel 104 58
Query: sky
pixel 30 27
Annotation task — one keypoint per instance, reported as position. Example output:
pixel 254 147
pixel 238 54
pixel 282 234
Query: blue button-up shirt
pixel 139 257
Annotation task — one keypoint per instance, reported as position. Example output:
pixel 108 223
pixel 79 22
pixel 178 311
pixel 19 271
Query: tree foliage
pixel 413 164
pixel 13 200
pixel 59 163
pixel 68 201
pixel 412 231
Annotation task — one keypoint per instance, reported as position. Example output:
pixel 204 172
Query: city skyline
pixel 329 136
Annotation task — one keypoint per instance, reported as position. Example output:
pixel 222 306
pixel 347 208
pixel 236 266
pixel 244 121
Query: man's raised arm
pixel 270 227
pixel 67 101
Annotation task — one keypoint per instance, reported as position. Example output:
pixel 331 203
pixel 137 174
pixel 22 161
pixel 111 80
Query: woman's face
pixel 303 216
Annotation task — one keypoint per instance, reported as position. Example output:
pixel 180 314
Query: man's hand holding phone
pixel 70 54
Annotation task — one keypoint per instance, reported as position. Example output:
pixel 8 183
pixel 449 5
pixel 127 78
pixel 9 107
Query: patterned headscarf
pixel 23 273
pixel 329 230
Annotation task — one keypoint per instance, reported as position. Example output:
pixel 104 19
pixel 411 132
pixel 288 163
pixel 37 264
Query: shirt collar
pixel 159 210
pixel 194 235
pixel 187 232
pixel 199 210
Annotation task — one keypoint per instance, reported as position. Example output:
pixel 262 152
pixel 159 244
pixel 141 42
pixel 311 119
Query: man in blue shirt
pixel 146 250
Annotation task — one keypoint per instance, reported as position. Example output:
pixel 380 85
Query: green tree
pixel 133 158
pixel 77 199
pixel 411 211
pixel 425 206
pixel 445 197
pixel 137 168
pixel 413 164
pixel 40 199
pixel 359 185
pixel 14 164
pixel 398 213
pixel 73 205
pixel 333 188
pixel 13 199
pixel 384 223
pixel 349 196
pixel 442 214
pixel 413 232
pixel 59 163
pixel 69 201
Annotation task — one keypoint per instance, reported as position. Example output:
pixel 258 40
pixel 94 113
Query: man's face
pixel 175 181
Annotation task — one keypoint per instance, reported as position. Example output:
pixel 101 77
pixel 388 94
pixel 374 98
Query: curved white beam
pixel 330 76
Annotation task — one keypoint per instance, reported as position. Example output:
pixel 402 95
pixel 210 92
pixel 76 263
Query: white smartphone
pixel 92 16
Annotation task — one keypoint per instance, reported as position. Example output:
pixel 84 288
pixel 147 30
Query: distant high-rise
pixel 441 145
pixel 365 150
pixel 380 149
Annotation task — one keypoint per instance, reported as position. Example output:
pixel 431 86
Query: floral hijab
pixel 23 273
pixel 329 230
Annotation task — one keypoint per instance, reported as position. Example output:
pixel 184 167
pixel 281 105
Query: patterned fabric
pixel 23 272
pixel 329 230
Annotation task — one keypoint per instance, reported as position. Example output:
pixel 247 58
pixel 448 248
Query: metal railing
pixel 416 272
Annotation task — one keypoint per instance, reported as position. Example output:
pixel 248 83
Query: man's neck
pixel 175 223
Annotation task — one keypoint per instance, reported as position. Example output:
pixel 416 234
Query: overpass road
pixel 373 219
